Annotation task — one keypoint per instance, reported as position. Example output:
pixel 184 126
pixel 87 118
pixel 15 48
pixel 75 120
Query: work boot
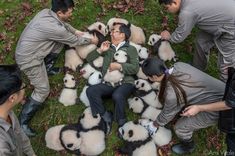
pixel 29 109
pixel 184 147
pixel 108 118
pixel 50 60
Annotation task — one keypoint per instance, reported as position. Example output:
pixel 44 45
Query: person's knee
pixel 44 90
pixel 90 91
pixel 117 96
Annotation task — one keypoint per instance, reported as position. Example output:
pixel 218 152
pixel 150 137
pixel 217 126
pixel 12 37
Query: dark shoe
pixel 50 60
pixel 108 128
pixel 183 147
pixel 29 109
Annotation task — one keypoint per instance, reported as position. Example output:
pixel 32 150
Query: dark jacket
pixel 227 118
pixel 129 69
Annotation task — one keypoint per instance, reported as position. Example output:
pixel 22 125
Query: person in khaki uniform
pixel 216 22
pixel 38 47
pixel 13 141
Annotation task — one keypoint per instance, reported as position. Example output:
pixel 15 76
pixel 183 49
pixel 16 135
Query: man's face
pixel 173 7
pixel 65 16
pixel 116 35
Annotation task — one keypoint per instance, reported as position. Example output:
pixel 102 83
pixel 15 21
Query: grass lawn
pixel 13 19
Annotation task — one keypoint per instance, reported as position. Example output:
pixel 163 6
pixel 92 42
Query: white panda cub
pixel 72 60
pixel 141 74
pixel 84 50
pixel 116 76
pixel 69 95
pixel 138 106
pixel 52 138
pixel 162 136
pixel 87 70
pixel 137 33
pixel 142 52
pixel 99 26
pixel 162 48
pixel 137 140
pixel 95 78
pixel 79 142
pixel 147 94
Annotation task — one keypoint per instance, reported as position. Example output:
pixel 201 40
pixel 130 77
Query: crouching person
pixel 227 112
pixel 181 86
pixel 13 140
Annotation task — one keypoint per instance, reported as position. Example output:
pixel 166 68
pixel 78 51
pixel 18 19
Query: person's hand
pixel 114 66
pixel 79 33
pixel 191 110
pixel 94 40
pixel 165 35
pixel 104 46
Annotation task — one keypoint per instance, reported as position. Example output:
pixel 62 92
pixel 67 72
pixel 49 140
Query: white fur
pixel 93 142
pixel 88 121
pixel 87 70
pixel 84 50
pixel 137 33
pixel 137 105
pixel 163 135
pixel 70 137
pixel 151 98
pixel 165 52
pixel 52 138
pixel 99 26
pixel 72 60
pixel 116 76
pixel 98 62
pixel 94 78
pixel 155 85
pixel 68 96
pixel 141 74
pixel 139 134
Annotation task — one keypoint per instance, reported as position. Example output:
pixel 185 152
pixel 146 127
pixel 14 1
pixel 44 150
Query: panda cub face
pixel 132 131
pixel 70 138
pixel 120 56
pixel 69 81
pixel 143 53
pixel 141 84
pixel 153 39
pixel 88 120
pixel 99 26
pixel 87 70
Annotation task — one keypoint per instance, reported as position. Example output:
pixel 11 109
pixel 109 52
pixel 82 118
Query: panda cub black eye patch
pixel 70 145
pixel 65 81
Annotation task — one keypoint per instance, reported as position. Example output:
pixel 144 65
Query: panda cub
pixel 99 26
pixel 116 76
pixel 163 135
pixel 69 95
pixel 72 60
pixel 142 52
pixel 52 138
pixel 94 78
pixel 138 106
pixel 79 142
pixel 84 50
pixel 162 48
pixel 87 70
pixel 137 140
pixel 146 93
pixel 137 33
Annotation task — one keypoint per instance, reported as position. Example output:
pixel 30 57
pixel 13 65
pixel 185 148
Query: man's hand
pixel 78 33
pixel 115 66
pixel 191 110
pixel 104 46
pixel 94 40
pixel 166 35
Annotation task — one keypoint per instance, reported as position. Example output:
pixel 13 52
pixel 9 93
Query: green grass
pixel 53 113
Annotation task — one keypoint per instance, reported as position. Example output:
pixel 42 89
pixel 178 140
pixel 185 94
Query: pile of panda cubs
pixel 87 137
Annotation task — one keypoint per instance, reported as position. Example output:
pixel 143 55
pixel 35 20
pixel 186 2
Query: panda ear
pixel 100 27
pixel 135 122
pixel 95 116
pixel 130 133
pixel 142 85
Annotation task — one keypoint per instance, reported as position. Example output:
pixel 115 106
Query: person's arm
pixel 27 147
pixel 4 147
pixel 186 22
pixel 195 109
